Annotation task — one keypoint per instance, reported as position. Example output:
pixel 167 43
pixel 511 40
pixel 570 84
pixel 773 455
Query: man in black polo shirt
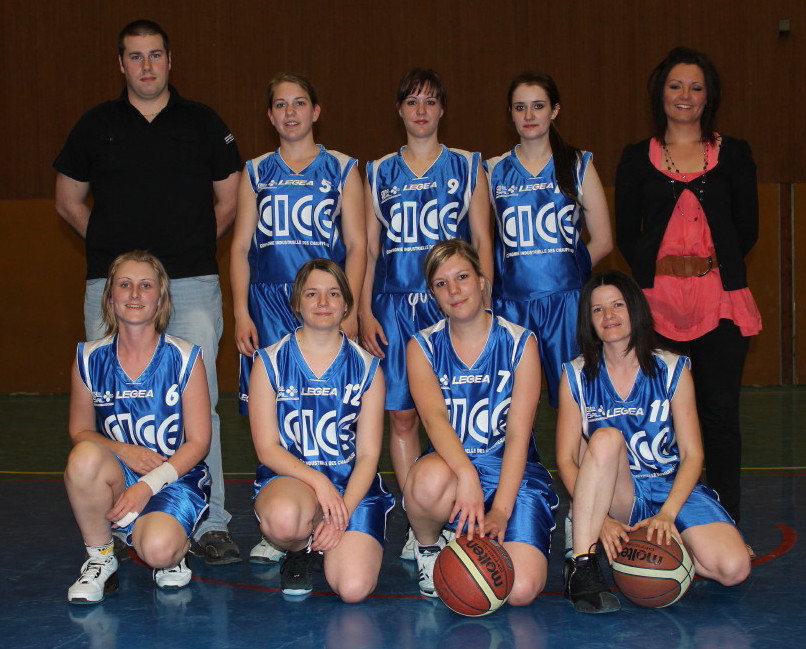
pixel 163 174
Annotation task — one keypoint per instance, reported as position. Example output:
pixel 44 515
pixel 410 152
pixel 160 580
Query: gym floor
pixel 240 605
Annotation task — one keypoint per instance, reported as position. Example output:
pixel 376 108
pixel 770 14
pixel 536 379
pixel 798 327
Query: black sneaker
pixel 216 548
pixel 295 573
pixel 585 587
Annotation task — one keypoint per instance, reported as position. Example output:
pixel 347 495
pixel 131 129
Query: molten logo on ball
pixel 651 573
pixel 473 577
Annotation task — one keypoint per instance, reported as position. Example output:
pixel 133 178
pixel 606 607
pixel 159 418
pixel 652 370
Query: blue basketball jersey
pixel 299 214
pixel 644 417
pixel 416 212
pixel 538 244
pixel 146 411
pixel 478 397
pixel 317 416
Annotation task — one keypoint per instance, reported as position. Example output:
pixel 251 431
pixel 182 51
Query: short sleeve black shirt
pixel 151 183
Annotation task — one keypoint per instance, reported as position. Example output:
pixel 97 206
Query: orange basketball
pixel 652 574
pixel 475 577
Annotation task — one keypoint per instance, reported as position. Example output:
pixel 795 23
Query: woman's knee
pixel 160 549
pixel 282 522
pixel 427 487
pixel 403 424
pixel 605 444
pixel 353 588
pixel 732 569
pixel 84 462
pixel 526 589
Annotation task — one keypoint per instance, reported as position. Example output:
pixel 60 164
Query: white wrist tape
pixel 160 477
pixel 128 518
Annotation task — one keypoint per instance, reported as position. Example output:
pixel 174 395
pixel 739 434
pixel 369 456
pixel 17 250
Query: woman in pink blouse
pixel 686 217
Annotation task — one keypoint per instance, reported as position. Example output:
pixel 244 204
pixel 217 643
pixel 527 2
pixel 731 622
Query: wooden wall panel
pixel 799 275
pixel 763 365
pixel 59 58
pixel 45 288
pixel 44 292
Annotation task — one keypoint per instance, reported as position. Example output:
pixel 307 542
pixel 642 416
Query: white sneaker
pixel 265 552
pixel 99 576
pixel 426 558
pixel 409 551
pixel 176 577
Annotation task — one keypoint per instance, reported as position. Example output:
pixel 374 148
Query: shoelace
pixel 93 570
pixel 295 562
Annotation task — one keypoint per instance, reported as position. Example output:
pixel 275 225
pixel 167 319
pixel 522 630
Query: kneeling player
pixel 140 425
pixel 475 379
pixel 629 448
pixel 316 413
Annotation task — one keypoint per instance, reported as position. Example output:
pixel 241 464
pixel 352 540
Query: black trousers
pixel 717 361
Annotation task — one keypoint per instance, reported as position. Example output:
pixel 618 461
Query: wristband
pixel 159 478
pixel 128 518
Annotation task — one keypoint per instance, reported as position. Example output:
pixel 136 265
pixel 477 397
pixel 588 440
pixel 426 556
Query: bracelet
pixel 159 478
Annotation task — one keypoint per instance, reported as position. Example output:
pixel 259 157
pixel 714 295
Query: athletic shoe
pixel 172 578
pixel 426 558
pixel 409 551
pixel 585 587
pixel 265 552
pixel 216 548
pixel 99 576
pixel 295 573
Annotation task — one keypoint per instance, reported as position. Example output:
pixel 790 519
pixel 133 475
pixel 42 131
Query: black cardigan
pixel 645 198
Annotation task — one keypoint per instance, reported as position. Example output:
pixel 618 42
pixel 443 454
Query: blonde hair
pixel 163 313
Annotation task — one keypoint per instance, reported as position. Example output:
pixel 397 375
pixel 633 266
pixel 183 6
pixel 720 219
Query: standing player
pixel 163 174
pixel 541 190
pixel 140 425
pixel 629 450
pixel 316 413
pixel 295 204
pixel 475 379
pixel 420 195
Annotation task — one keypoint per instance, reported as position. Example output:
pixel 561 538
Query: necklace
pixel 699 187
pixel 671 166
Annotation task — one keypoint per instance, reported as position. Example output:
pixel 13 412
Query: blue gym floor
pixel 240 605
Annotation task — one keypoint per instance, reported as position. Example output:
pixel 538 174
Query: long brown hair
pixel 566 157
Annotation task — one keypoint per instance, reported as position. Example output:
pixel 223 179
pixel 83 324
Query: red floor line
pixel 788 540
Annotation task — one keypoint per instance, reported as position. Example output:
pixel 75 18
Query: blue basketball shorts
pixel 701 507
pixel 401 315
pixel 368 517
pixel 532 518
pixel 270 310
pixel 186 499
pixel 553 319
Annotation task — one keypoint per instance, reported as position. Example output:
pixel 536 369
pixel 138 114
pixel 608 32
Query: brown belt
pixel 685 265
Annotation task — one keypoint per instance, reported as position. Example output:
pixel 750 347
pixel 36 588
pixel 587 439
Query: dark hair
pixel 328 266
pixel 142 28
pixel 657 83
pixel 642 336
pixel 421 79
pixel 163 313
pixel 290 77
pixel 566 157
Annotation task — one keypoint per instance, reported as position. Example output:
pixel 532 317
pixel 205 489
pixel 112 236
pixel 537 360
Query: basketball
pixel 475 577
pixel 652 574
